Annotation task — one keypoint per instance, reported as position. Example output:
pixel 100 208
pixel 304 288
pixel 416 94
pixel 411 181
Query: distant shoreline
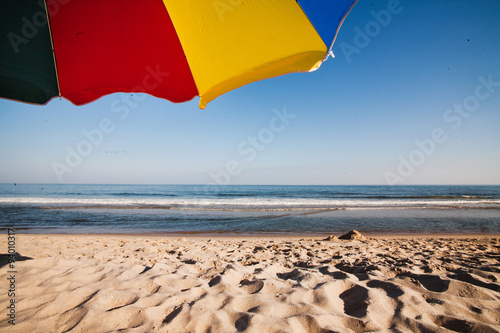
pixel 267 236
pixel 250 210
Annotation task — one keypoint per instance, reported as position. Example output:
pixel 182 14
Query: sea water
pixel 234 209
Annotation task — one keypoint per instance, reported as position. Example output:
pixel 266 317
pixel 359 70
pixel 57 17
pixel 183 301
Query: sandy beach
pixel 111 283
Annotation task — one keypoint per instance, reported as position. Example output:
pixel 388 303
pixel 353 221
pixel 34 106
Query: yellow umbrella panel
pixel 231 43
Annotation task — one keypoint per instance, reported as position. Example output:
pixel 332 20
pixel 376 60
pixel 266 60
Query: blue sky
pixel 411 100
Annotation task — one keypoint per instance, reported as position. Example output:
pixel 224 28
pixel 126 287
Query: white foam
pixel 249 203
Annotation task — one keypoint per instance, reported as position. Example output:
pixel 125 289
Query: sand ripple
pixel 80 283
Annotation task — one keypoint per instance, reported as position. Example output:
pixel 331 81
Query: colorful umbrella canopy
pixel 84 49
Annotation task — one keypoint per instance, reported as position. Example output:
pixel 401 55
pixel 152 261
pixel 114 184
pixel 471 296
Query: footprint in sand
pixel 355 301
pixel 252 287
pixel 460 325
pixel 242 323
pixel 430 282
pixel 69 319
pixel 392 290
pixel 171 316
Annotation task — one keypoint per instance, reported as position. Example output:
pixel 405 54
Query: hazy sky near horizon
pixel 413 98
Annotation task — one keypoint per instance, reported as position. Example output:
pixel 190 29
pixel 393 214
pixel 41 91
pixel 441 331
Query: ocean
pixel 249 210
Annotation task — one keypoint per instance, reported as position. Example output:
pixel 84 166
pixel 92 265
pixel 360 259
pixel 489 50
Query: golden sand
pixel 110 283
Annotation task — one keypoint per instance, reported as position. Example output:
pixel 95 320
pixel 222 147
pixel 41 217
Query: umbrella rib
pixel 338 29
pixel 53 51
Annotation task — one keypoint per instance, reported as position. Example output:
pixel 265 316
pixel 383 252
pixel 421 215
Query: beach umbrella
pixel 84 49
